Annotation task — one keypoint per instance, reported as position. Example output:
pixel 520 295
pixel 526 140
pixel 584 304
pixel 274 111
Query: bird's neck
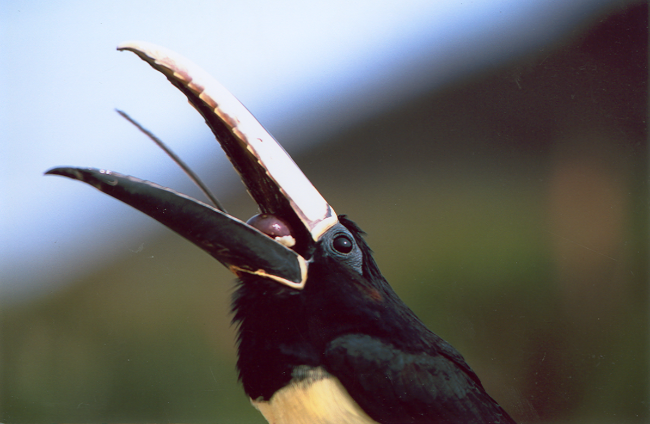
pixel 273 337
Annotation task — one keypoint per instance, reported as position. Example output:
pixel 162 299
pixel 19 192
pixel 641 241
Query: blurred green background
pixel 509 211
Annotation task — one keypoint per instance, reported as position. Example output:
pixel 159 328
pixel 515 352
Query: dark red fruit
pixel 273 227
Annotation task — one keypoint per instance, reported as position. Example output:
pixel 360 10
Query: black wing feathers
pixel 393 386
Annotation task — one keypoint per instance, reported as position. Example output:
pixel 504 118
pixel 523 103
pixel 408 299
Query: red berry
pixel 273 227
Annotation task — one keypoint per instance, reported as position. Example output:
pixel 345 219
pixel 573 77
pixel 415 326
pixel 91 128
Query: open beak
pixel 274 181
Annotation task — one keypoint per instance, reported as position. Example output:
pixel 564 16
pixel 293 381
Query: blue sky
pixel 298 66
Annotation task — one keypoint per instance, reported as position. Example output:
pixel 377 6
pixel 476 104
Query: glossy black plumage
pixel 349 321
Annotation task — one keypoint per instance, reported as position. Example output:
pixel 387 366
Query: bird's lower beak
pixel 274 181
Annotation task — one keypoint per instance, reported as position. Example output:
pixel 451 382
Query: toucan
pixel 322 336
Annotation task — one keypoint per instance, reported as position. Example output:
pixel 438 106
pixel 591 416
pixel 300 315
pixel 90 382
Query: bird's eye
pixel 342 244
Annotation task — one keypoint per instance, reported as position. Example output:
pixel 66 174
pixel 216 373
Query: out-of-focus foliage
pixel 510 212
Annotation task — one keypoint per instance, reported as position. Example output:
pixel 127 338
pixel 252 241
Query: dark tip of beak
pixel 66 172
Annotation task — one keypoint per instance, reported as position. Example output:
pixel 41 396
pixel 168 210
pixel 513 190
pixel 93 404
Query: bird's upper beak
pixel 274 181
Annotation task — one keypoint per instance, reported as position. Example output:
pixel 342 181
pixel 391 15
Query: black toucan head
pixel 311 304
